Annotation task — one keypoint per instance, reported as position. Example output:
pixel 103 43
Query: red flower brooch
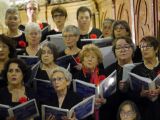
pixel 41 26
pixel 93 36
pixel 23 99
pixel 21 43
pixel 77 60
pixel 101 77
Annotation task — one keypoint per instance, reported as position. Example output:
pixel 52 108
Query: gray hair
pixel 32 26
pixel 66 73
pixel 12 10
pixel 72 29
pixel 108 20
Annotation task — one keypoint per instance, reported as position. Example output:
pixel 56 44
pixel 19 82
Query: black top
pixel 19 41
pixel 24 52
pixel 137 57
pixel 6 97
pixel 42 74
pixel 70 100
pixel 94 32
pixel 110 109
pixel 143 71
pixel 3 82
pixel 52 32
pixel 86 78
pixel 149 110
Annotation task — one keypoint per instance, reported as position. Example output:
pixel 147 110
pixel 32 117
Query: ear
pixel 77 38
pixel 6 22
pixel 68 83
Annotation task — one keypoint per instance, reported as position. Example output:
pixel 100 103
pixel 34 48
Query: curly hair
pixel 26 70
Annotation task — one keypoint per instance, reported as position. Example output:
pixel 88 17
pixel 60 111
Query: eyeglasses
pixel 127 114
pixel 119 48
pixel 119 28
pixel 58 15
pixel 32 8
pixel 145 46
pixel 68 36
pixel 46 52
pixel 58 79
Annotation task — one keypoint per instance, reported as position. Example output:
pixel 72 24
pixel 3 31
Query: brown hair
pixel 59 9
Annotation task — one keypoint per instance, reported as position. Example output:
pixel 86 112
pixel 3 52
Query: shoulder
pixel 62 53
pixel 45 24
pixel 111 68
pixel 73 98
pixel 138 67
pixel 78 75
pixel 5 96
pixel 96 31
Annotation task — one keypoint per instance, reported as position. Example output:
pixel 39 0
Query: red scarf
pixel 95 79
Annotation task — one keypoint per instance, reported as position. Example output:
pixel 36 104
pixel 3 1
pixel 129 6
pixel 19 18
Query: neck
pixel 72 50
pixel 12 87
pixel 49 66
pixel 12 33
pixel 123 62
pixel 33 46
pixel 151 62
pixel 84 30
pixel 62 93
pixel 60 28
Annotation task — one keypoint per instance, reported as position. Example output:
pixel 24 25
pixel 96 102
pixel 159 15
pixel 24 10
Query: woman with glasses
pixel 121 28
pixel 128 111
pixel 71 35
pixel 59 16
pixel 123 49
pixel 62 97
pixel 150 68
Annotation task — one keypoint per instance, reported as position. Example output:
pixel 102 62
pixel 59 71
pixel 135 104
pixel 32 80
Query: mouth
pixel 106 33
pixel 13 79
pixel 2 54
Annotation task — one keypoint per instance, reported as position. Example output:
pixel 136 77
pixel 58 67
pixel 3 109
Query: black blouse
pixel 6 97
pixel 94 31
pixel 149 110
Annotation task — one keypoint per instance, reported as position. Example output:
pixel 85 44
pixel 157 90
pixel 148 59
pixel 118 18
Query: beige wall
pixel 45 13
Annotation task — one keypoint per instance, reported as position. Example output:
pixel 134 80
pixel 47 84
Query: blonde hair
pixel 93 48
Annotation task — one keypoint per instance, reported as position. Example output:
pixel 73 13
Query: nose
pixel 1 48
pixel 89 58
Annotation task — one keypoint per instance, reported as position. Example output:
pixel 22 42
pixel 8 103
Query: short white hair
pixel 32 26
pixel 66 73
